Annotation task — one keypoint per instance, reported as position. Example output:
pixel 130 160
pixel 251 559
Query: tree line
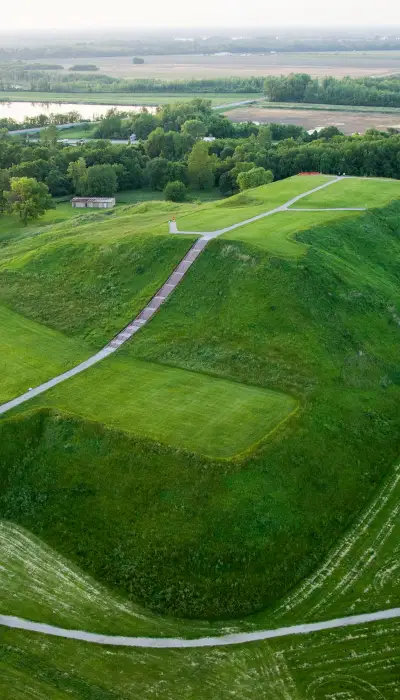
pixel 43 81
pixel 40 120
pixel 287 42
pixel 185 147
pixel 301 87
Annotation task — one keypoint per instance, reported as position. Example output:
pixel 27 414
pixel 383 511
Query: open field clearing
pixel 184 409
pixel 349 122
pixel 249 203
pixel 360 63
pixel 276 234
pixel 32 353
pixel 354 192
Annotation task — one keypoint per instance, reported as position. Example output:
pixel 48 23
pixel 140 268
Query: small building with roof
pixel 93 202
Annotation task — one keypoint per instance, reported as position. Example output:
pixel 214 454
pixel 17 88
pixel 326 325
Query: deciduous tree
pixel 28 198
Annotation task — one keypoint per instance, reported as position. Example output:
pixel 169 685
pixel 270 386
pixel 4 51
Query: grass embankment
pixel 90 276
pixel 123 98
pixel 186 534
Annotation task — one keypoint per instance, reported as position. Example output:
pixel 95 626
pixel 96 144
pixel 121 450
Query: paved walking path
pixel 155 303
pixel 176 642
pixel 283 207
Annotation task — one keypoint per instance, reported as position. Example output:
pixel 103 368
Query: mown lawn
pixel 249 203
pixel 277 233
pixel 184 409
pixel 354 192
pixel 31 353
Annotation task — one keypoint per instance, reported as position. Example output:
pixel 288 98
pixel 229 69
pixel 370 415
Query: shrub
pixel 175 191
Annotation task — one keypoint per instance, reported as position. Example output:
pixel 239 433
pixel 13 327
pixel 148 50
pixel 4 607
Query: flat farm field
pixel 178 67
pixel 349 122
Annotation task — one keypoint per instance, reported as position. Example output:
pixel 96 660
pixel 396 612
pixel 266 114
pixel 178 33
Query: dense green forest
pixel 300 87
pixel 171 148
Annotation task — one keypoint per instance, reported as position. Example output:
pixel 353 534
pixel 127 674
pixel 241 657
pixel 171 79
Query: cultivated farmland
pixel 316 64
pixel 348 121
pixel 280 347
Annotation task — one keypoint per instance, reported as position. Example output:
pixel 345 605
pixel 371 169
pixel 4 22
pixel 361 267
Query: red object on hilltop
pixel 309 173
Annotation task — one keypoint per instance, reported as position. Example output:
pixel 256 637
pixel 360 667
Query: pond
pixel 20 110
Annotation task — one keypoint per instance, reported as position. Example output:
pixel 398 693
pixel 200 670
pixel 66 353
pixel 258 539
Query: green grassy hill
pixel 187 534
pixel 237 456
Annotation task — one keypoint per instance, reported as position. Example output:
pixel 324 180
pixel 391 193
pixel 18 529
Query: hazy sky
pixel 38 14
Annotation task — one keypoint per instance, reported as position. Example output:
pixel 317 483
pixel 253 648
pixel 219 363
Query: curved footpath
pixel 177 643
pixel 158 299
pixel 144 316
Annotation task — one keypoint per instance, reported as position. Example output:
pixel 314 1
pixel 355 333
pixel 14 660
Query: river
pixel 20 110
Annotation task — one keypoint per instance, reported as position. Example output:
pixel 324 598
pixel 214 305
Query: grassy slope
pixel 90 276
pixel 330 340
pixel 31 353
pixel 354 192
pixel 361 662
pixel 36 583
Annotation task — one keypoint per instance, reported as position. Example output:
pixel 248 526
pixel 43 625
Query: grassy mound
pixel 88 281
pixel 197 537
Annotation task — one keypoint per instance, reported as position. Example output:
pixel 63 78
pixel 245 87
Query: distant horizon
pixel 179 15
pixel 213 30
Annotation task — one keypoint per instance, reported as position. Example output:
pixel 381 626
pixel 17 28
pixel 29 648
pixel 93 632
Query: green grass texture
pixel 278 233
pixel 32 353
pixel 354 192
pixel 184 409
pixel 249 203
pixel 181 533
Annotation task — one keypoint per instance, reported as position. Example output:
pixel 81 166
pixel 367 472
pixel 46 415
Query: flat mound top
pixel 276 233
pixel 249 203
pixel 354 192
pixel 213 416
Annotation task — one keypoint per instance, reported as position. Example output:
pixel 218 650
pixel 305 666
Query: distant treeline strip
pixel 210 45
pixel 38 81
pixel 300 87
